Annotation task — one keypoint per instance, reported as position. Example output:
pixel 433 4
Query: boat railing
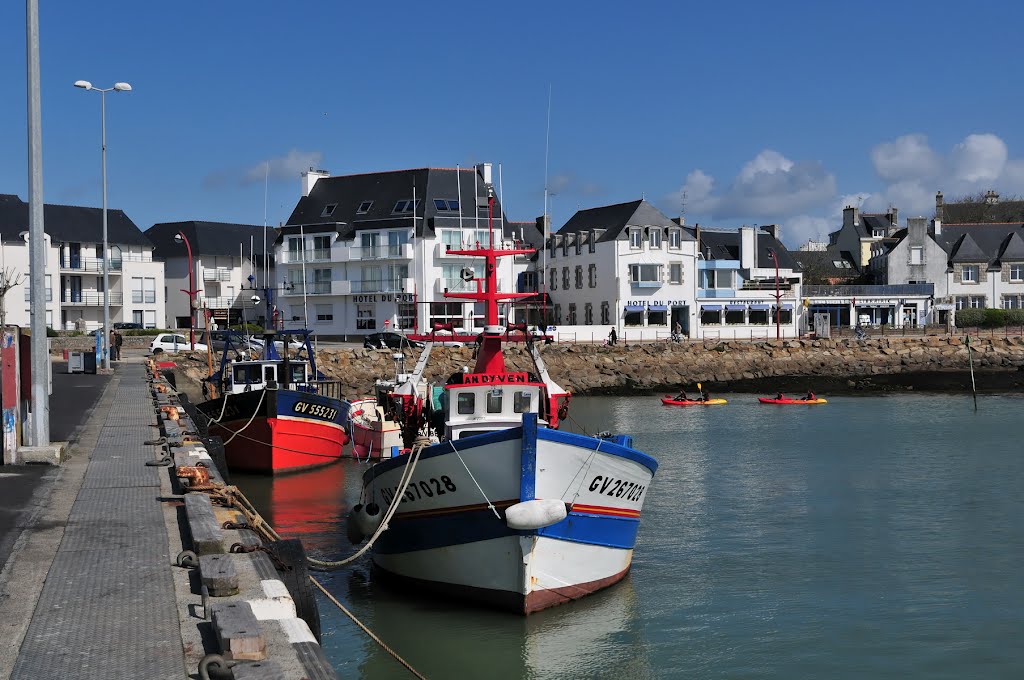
pixel 326 388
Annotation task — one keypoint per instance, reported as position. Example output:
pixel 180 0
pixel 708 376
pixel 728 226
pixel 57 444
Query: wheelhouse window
pixel 466 403
pixel 494 400
pixel 521 402
pixel 969 273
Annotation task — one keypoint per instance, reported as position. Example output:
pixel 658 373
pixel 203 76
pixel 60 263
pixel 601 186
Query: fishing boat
pixel 488 500
pixel 375 430
pixel 274 413
pixel 669 400
pixel 786 400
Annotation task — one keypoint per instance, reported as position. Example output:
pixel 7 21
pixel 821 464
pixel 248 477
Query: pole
pixel 970 357
pixel 778 296
pixel 40 429
pixel 106 256
pixel 191 292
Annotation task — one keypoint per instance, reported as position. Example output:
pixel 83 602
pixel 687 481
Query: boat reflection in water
pixel 306 505
pixel 600 636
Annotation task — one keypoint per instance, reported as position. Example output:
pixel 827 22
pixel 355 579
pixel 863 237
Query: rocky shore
pixel 826 366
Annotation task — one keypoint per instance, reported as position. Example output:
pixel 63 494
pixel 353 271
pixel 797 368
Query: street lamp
pixel 191 292
pixel 778 295
pixel 118 87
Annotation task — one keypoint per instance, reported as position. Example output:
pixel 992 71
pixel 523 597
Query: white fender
pixel 535 514
pixel 368 518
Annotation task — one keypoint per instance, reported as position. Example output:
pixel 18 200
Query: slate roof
pixel 989 243
pixel 821 264
pixel 725 245
pixel 870 222
pixel 208 238
pixel 69 223
pixel 346 193
pixel 614 218
pixel 979 212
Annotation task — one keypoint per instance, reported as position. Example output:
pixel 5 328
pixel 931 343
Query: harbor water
pixel 872 537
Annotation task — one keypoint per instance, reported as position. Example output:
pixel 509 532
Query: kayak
pixel 766 400
pixel 671 401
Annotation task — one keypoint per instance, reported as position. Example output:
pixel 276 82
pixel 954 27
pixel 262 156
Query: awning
pixel 634 308
pixel 786 305
pixel 657 308
pixel 711 308
pixel 735 308
pixel 760 308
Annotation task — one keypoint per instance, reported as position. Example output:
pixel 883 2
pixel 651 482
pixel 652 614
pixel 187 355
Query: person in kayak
pixel 810 396
pixel 780 396
pixel 705 397
pixel 682 396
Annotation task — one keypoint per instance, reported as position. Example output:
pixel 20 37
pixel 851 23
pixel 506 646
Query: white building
pixel 365 253
pixel 626 266
pixel 224 256
pixel 74 267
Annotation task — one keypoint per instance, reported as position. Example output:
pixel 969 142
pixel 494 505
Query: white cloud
pixel 978 159
pixel 287 167
pixel 803 228
pixel 906 157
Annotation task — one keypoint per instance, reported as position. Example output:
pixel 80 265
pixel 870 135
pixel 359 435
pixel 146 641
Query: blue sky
pixel 762 112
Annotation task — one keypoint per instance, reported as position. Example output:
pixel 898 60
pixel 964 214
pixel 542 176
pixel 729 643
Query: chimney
pixel 772 229
pixel 938 210
pixel 681 221
pixel 851 216
pixel 748 247
pixel 484 170
pixel 894 217
pixel 310 177
pixel 991 197
pixel 696 235
pixel 917 228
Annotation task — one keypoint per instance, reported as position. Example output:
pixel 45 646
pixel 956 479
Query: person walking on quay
pixel 677 334
pixel 118 341
pixel 112 345
pixel 612 336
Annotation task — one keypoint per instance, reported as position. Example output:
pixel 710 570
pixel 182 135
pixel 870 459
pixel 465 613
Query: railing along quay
pixel 257 596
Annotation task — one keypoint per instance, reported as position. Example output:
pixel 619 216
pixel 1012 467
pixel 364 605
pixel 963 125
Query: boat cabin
pixel 473 409
pixel 246 376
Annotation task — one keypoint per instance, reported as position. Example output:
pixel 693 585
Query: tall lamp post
pixel 191 292
pixel 118 87
pixel 778 295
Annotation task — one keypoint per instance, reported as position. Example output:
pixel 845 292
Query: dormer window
pixel 406 206
pixel 636 238
pixel 446 205
pixel 675 239
pixel 364 207
pixel 329 210
pixel 878 233
pixel 969 274
pixel 655 237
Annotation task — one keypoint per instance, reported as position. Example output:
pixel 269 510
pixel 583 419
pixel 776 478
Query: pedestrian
pixel 112 346
pixel 678 332
pixel 612 336
pixel 118 341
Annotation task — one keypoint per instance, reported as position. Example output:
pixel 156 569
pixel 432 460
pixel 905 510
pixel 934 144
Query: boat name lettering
pixel 617 488
pixel 315 410
pixel 418 490
pixel 384 297
pixel 487 379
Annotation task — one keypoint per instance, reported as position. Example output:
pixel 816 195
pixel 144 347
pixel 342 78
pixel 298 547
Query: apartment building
pixel 224 256
pixel 75 292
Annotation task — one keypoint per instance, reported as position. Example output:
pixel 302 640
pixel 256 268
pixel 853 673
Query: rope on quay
pixel 366 630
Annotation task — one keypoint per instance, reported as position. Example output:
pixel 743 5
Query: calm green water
pixel 871 537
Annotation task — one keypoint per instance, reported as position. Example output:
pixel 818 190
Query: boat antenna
pixel 266 184
pixel 305 284
pixel 545 219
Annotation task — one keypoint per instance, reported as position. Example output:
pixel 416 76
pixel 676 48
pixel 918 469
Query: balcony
pixel 298 288
pixel 88 265
pixel 647 284
pixel 90 299
pixel 766 284
pixel 402 251
pixel 28 294
pixel 217 302
pixel 895 290
pixel 383 286
pixel 217 274
pixel 311 255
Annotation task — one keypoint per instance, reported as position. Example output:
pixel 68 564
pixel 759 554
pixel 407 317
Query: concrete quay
pixel 93 586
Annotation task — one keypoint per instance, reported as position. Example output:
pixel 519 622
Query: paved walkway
pixel 107 607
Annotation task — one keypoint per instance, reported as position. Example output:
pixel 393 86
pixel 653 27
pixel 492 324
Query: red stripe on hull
pixel 278 445
pixel 501 599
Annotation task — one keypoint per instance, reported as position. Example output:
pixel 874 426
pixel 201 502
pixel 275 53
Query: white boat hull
pixel 450 533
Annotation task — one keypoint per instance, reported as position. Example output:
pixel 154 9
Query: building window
pixel 150 318
pixel 579 276
pixel 675 272
pixel 657 318
pixel 572 313
pixel 785 316
pixel 969 273
pixel 554 280
pixel 407 315
pixel 636 238
pixel 592 242
pixel 1017 272
pixel 710 317
pixel 440 204
pixel 592 276
pixel 406 206
pixel 366 317
pixel 136 290
pixel 734 315
pixel 758 317
pixel 633 318
pixel 717 278
pixel 321 247
pixel 324 313
pixel 1013 302
pixel 364 207
pixel 565 278
pixel 970 301
pixel 588 314
pixel 329 210
pixel 654 237
pixel 917 255
pixel 605 315
pixel 137 317
pixel 645 273
pixel 446 313
pixel 558 315
pixel 322 281
pixel 675 239
pixel 149 290
pixel 295 249
pixel 297 312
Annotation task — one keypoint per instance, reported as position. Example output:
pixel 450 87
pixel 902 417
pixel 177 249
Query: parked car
pixel 174 342
pixel 389 340
pixel 126 325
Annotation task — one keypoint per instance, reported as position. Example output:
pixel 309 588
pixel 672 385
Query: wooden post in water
pixel 970 357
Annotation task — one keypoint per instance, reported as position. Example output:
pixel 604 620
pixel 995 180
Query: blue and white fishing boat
pixel 488 500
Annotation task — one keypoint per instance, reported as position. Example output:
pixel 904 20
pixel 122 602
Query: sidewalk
pixel 106 608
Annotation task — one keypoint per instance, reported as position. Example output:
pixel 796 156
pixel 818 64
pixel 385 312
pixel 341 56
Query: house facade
pixel 365 253
pixel 224 256
pixel 75 294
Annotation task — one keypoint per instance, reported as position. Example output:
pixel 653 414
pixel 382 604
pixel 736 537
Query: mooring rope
pixel 255 412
